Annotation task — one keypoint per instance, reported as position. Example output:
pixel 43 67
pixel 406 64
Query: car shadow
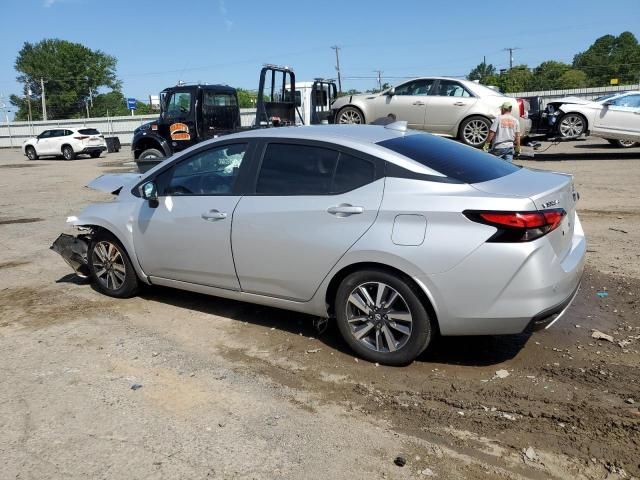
pixel 608 153
pixel 465 351
pixel 74 279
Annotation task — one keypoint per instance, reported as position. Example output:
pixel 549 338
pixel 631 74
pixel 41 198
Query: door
pixel 178 124
pixel 311 204
pixel 447 105
pixel 408 103
pixel 187 237
pixel 619 118
pixel 44 145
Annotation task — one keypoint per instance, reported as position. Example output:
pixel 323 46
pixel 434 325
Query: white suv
pixel 65 142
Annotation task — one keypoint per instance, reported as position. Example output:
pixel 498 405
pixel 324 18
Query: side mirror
pixel 149 192
pixel 391 92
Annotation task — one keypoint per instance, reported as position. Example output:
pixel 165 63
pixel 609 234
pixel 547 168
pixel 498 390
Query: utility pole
pixel 511 50
pixel 44 100
pixel 337 49
pixel 30 118
pixel 379 72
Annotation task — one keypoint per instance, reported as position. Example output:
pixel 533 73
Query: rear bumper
pixel 508 288
pixel 93 148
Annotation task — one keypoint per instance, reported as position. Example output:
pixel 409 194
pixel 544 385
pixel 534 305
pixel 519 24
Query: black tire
pixel 348 115
pixel 68 153
pixel 418 330
pixel 95 154
pixel 120 279
pixel 571 125
pixel 623 143
pixel 474 131
pixel 31 153
pixel 150 153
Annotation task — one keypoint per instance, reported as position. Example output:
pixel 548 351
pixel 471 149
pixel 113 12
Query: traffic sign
pixel 131 103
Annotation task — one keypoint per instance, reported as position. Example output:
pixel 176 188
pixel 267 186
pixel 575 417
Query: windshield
pixel 450 158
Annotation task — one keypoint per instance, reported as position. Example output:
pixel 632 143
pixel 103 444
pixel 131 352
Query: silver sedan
pixel 396 234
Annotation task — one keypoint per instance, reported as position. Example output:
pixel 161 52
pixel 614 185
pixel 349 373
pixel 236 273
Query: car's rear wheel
pixel 382 318
pixel 474 131
pixel 110 267
pixel 572 125
pixel 350 115
pixel 151 153
pixel 31 153
pixel 623 143
pixel 95 154
pixel 68 153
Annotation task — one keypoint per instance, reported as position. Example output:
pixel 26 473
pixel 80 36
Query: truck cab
pixel 189 114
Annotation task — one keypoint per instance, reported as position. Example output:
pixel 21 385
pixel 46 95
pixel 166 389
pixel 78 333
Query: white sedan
pixel 66 142
pixel 614 117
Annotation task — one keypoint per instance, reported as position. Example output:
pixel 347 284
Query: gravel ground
pixel 232 390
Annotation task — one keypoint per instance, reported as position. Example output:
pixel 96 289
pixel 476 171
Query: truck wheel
pixel 150 153
pixel 31 153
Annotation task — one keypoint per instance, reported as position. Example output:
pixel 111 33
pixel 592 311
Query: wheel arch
pixel 353 105
pixel 150 141
pixel 66 144
pixel 421 290
pixel 574 112
pixel 98 226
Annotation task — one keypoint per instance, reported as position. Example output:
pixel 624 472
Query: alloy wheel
pixel 109 265
pixel 476 132
pixel 350 116
pixel 627 143
pixel 571 126
pixel 379 317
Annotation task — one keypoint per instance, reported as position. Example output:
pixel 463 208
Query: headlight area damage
pixel 74 251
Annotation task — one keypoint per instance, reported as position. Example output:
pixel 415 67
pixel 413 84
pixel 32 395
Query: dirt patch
pixel 18 165
pixel 12 264
pixel 10 221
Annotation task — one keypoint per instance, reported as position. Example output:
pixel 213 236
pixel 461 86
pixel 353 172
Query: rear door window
pixel 452 159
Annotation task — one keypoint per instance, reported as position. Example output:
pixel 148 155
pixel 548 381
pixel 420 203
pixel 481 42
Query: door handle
pixel 459 104
pixel 420 104
pixel 213 215
pixel 344 210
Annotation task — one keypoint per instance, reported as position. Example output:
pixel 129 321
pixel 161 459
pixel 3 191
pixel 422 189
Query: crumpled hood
pixel 113 182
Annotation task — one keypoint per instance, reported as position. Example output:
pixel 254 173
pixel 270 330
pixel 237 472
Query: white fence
pixel 13 134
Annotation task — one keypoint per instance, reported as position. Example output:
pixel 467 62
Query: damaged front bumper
pixel 74 251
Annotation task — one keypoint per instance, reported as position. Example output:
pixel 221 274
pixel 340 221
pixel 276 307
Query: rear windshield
pixel 450 158
pixel 89 131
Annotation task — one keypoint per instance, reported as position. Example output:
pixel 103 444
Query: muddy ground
pixel 231 390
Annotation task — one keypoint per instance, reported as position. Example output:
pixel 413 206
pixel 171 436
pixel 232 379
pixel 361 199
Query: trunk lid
pixel 547 190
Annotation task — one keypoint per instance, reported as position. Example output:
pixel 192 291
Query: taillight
pixel 518 226
pixel 523 112
pixel 81 138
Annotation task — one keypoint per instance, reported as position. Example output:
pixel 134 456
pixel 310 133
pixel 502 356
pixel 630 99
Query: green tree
pixel 482 72
pixel 70 71
pixel 246 98
pixel 518 79
pixel 114 104
pixel 573 78
pixel 610 57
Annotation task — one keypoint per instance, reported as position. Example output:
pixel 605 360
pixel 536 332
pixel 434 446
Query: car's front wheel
pixel 474 131
pixel 572 125
pixel 31 153
pixel 350 115
pixel 623 143
pixel 382 318
pixel 110 267
pixel 68 153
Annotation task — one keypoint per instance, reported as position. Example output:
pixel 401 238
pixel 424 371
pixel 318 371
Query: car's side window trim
pixel 239 185
pixel 261 150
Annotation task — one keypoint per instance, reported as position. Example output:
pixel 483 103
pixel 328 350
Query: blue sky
pixel 159 42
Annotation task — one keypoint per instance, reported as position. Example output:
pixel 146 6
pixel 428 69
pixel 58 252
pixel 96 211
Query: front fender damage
pixel 73 249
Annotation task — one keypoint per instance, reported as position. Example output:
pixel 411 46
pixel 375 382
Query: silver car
pixel 450 107
pixel 397 234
